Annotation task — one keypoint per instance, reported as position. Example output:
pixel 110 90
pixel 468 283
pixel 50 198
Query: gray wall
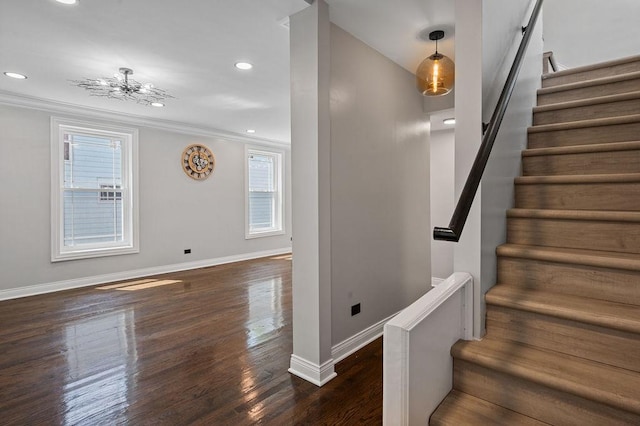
pixel 176 212
pixel 380 226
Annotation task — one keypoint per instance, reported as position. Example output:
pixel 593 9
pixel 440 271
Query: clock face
pixel 198 161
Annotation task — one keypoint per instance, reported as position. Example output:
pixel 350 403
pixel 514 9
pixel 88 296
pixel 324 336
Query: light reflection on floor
pixel 265 316
pixel 101 359
pixel 265 310
pixel 138 285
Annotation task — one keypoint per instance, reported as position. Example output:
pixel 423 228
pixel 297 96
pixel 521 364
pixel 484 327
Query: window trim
pixel 279 155
pixel 129 137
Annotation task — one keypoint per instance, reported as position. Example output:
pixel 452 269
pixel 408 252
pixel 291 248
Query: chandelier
pixel 121 87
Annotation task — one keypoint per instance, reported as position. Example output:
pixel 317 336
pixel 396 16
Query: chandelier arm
pixel 122 88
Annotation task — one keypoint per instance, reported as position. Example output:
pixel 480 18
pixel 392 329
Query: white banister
pixel 418 368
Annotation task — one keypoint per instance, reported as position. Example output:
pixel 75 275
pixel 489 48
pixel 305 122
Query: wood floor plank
pixel 207 346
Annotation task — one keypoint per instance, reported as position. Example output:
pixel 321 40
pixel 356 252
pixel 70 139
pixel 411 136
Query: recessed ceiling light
pixel 449 121
pixel 251 131
pixel 15 75
pixel 243 65
pixel 67 1
pixel 157 104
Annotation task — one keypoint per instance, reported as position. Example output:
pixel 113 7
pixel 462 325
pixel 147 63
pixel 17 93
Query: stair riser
pixel 585 135
pixel 599 344
pixel 592 196
pixel 587 112
pixel 615 285
pixel 591 74
pixel 589 92
pixel 463 409
pixel 577 164
pixel 534 400
pixel 621 237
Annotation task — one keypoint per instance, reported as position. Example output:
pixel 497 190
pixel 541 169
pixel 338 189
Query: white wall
pixel 468 136
pixel 432 104
pixel 498 21
pixel 380 227
pixel 417 362
pixel 176 212
pixel 442 154
pixel 310 138
pixel 583 32
pixel 506 17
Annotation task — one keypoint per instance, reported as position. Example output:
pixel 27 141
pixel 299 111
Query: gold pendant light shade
pixel 436 74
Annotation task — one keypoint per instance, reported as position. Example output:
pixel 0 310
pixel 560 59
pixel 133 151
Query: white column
pixel 310 152
pixel 468 136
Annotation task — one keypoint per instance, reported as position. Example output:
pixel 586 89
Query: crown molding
pixel 56 107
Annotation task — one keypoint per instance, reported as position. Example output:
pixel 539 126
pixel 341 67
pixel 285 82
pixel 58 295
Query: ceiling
pixel 189 49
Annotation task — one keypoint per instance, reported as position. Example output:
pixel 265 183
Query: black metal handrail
pixel 460 214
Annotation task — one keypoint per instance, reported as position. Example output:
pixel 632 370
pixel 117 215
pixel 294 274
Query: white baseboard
pixel 319 375
pixel 358 341
pixel 312 372
pixel 33 290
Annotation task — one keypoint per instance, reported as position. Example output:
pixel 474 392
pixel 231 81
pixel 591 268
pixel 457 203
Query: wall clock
pixel 198 161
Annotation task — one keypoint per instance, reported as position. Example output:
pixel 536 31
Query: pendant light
pixel 435 75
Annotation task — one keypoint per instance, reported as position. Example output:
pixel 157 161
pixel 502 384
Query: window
pixel 93 190
pixel 263 193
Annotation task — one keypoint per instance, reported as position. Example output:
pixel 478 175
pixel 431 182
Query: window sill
pixel 263 234
pixel 93 253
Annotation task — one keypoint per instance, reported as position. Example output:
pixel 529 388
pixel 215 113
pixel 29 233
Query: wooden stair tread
pixel 587 102
pixel 602 259
pixel 591 380
pixel 591 67
pixel 460 408
pixel 589 83
pixel 619 316
pixel 577 179
pixel 582 149
pixel 594 122
pixel 591 215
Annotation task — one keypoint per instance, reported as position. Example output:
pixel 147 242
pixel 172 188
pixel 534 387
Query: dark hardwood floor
pixel 208 347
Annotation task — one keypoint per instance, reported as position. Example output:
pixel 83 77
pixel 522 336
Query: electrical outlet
pixel 187 251
pixel 355 309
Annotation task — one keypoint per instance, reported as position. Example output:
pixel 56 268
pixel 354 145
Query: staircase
pixel 563 323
